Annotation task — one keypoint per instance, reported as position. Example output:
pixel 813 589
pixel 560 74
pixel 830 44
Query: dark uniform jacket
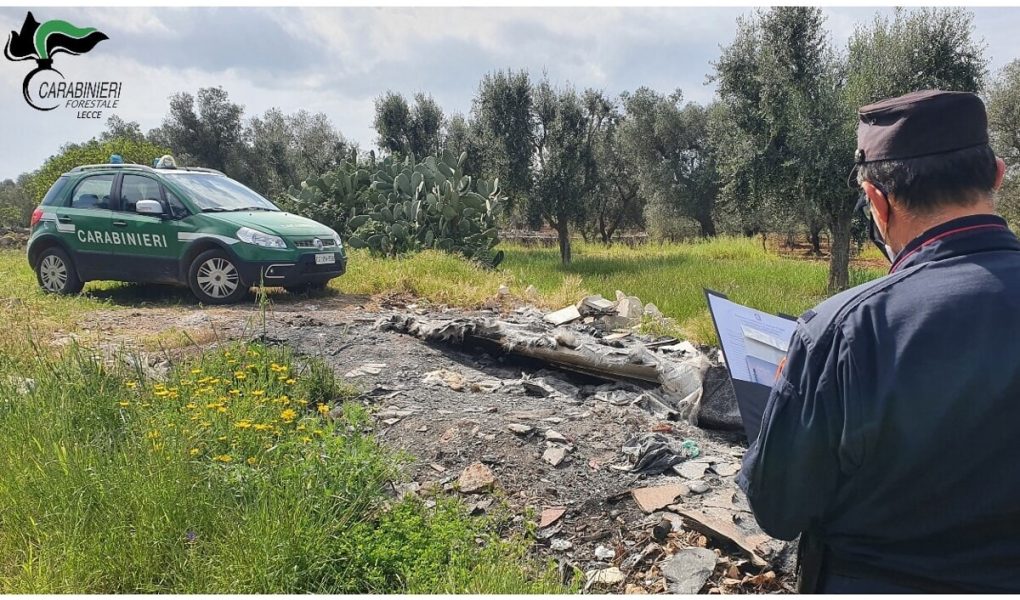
pixel 894 427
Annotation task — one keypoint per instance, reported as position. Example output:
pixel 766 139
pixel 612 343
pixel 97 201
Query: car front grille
pixel 310 243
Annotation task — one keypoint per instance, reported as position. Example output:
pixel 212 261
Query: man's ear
pixel 1000 172
pixel 879 203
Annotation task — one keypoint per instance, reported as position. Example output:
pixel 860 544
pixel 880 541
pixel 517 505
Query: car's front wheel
pixel 56 274
pixel 215 279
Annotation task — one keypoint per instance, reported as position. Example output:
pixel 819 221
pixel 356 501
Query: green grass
pixel 227 478
pixel 672 276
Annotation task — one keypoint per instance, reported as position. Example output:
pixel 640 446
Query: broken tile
pixel 555 436
pixel 550 516
pixel 476 478
pixel 726 469
pixel 520 429
pixel 451 379
pixel 560 545
pixel 604 577
pixel 366 369
pixel 688 570
pixel 691 469
pixel 722 526
pixel 564 315
pixel 555 455
pixel 651 499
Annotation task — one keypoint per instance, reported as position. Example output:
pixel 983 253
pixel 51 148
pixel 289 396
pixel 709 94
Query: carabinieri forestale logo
pixel 44 87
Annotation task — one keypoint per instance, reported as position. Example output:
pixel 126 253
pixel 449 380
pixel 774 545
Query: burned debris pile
pixel 669 378
pixel 626 446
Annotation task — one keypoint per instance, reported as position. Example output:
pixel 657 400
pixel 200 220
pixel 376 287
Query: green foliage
pixel 1004 123
pixel 503 111
pixel 924 48
pixel 221 479
pixel 205 130
pixel 16 202
pixel 406 206
pixel 669 141
pixel 408 130
pixel 91 152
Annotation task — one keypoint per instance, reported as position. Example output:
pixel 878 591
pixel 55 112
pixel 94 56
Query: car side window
pixel 93 192
pixel 177 208
pixel 136 187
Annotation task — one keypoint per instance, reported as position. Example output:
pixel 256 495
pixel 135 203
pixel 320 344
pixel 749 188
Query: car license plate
pixel 325 259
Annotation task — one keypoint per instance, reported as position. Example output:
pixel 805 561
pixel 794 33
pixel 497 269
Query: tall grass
pixel 230 477
pixel 672 276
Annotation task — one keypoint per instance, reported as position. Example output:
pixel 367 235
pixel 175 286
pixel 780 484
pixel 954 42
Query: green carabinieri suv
pixel 189 226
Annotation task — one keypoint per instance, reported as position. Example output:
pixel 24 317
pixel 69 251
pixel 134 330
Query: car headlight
pixel 336 239
pixel 257 238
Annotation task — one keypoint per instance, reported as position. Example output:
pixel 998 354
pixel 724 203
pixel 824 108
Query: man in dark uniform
pixel 890 437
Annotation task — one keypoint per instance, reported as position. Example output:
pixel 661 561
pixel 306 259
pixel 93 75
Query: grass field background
pixel 672 276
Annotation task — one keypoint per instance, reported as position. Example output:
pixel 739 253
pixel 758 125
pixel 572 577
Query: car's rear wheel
pixel 56 274
pixel 215 279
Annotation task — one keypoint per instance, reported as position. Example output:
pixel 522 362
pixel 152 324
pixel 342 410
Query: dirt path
pixel 471 419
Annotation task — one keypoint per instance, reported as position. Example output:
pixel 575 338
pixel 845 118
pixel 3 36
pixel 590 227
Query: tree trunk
pixel 816 240
pixel 839 254
pixel 707 225
pixel 563 233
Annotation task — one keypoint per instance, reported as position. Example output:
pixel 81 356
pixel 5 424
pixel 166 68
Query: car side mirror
pixel 149 207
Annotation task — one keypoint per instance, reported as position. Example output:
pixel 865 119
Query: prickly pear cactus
pixel 406 206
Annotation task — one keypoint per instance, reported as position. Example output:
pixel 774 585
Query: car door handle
pixel 120 223
pixel 64 219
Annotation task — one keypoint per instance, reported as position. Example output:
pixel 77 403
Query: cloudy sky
pixel 338 60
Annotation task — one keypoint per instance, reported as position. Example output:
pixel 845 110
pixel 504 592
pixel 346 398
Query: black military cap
pixel 919 124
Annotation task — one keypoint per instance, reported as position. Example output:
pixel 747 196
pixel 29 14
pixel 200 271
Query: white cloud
pixel 338 60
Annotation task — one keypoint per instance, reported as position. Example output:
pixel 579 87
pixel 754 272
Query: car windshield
pixel 215 193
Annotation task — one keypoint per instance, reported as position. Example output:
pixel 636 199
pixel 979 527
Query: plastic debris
pixel 655 453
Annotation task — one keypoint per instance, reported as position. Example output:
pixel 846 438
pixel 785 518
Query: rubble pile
pixel 697 533
pixel 669 378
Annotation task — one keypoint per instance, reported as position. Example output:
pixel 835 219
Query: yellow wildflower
pixel 262 427
pixel 191 406
pixel 124 404
pixel 258 393
pixel 131 385
pixel 288 415
pixel 291 381
pixel 244 424
pixel 240 375
pixel 306 439
pixel 196 371
pixel 252 461
pixel 323 409
pixel 235 392
pixel 222 438
pixel 193 451
pixel 223 458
